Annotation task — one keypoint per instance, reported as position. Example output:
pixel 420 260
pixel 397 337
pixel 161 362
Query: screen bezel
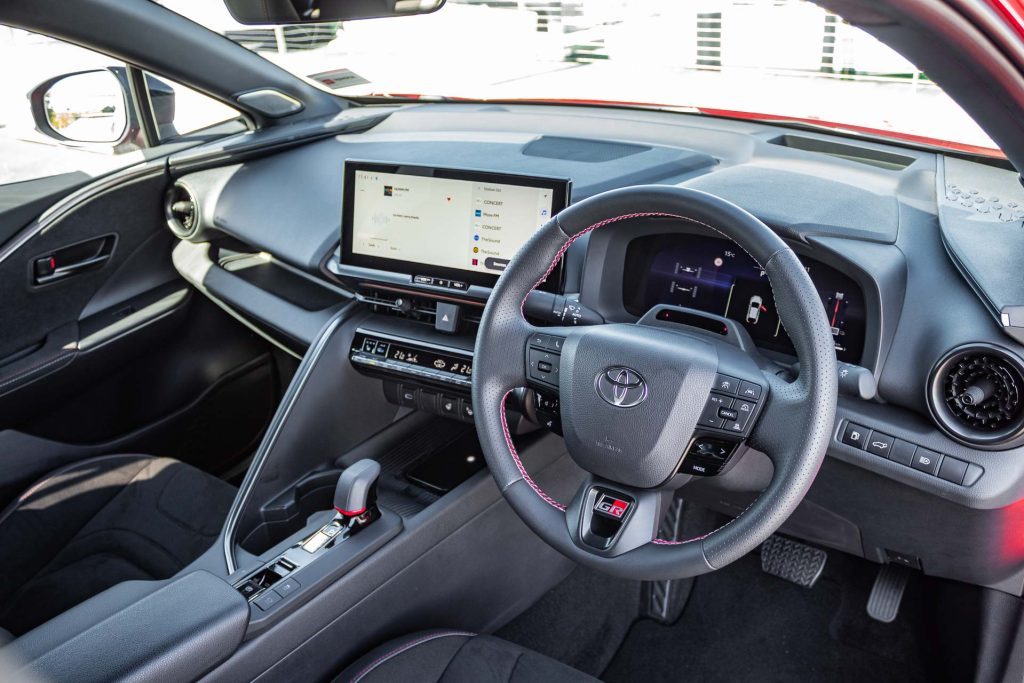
pixel 560 188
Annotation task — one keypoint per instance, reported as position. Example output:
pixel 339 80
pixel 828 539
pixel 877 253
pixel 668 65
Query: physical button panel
pixel 707 455
pixel 457 285
pixel 270 585
pixel 401 358
pixel 543 359
pixel 911 455
pixel 733 415
pixel 422 398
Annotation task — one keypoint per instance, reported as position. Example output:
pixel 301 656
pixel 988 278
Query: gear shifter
pixel 355 497
pixel 355 502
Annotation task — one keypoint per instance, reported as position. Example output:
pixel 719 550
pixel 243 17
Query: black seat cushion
pixel 91 525
pixel 455 657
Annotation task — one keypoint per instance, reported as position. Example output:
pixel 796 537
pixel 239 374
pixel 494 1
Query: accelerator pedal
pixel 801 564
pixel 887 593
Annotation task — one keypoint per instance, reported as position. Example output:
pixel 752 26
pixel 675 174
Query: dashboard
pixel 906 320
pixel 452 228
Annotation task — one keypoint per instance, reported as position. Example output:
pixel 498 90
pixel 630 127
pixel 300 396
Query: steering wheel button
pixel 727 413
pixel 710 418
pixel 750 390
pixel 743 411
pixel 726 384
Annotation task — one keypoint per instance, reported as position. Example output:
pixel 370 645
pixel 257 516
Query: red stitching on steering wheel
pixel 519 463
pixel 561 252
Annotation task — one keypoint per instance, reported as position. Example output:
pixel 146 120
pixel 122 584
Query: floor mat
pixel 579 622
pixel 744 625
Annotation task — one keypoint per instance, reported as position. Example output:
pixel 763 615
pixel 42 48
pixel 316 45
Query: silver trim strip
pixel 303 373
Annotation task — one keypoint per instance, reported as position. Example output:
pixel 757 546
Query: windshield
pixel 766 59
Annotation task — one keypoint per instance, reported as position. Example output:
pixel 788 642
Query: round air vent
pixel 976 394
pixel 182 211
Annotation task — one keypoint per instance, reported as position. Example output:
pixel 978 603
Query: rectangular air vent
pixel 862 155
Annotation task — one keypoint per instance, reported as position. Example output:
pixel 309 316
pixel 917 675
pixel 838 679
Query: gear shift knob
pixel 356 491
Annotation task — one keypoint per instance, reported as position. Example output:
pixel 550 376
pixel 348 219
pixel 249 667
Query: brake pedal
pixel 887 593
pixel 801 564
pixel 664 601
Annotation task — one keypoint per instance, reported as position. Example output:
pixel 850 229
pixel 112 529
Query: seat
pixel 457 657
pixel 93 524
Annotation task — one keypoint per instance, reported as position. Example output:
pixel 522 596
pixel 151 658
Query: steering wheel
pixel 636 398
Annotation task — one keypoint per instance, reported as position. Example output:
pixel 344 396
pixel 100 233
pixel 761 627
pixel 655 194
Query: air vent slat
pixel 975 395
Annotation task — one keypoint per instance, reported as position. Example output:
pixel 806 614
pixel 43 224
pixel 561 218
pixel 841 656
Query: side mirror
pixel 83 108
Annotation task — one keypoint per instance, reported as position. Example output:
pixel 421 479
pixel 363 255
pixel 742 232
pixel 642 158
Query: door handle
pixel 72 260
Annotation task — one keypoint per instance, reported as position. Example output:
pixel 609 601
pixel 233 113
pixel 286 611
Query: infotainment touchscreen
pixel 442 223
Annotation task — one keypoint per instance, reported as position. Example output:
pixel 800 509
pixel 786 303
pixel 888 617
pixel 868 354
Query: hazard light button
pixel 447 319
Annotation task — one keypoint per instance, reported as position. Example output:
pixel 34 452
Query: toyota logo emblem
pixel 621 387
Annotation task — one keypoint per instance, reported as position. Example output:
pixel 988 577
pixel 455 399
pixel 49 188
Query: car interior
pixel 437 389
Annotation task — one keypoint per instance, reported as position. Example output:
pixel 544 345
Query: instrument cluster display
pixel 716 276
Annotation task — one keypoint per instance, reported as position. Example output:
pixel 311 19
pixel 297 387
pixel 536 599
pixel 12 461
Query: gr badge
pixel 611 506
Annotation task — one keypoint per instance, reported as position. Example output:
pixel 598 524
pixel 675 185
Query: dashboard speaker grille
pixel 976 395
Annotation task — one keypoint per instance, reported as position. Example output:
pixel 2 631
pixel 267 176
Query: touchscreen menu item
pixel 442 222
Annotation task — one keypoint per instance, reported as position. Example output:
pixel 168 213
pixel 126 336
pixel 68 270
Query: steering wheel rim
pixel 793 427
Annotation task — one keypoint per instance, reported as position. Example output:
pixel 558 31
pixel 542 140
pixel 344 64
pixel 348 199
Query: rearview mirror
pixel 313 11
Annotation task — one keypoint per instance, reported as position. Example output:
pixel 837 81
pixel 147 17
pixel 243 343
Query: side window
pixel 67 111
pixel 180 110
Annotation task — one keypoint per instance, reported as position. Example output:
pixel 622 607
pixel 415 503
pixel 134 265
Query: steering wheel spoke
pixel 780 428
pixel 609 519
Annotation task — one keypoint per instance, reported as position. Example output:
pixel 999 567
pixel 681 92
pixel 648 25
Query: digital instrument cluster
pixel 716 276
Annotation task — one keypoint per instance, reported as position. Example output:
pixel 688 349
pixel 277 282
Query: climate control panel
pixel 401 358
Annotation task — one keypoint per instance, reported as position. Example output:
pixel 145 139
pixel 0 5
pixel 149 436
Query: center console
pixel 421 247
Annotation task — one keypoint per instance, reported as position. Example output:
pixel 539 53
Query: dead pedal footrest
pixel 887 593
pixel 792 561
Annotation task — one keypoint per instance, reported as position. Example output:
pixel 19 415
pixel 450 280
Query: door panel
pixel 132 212
pixel 122 355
